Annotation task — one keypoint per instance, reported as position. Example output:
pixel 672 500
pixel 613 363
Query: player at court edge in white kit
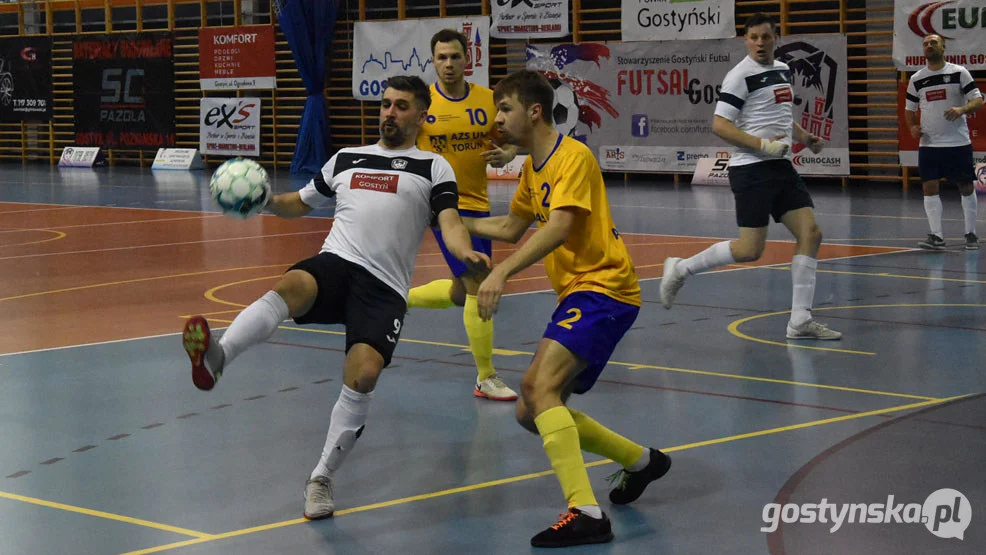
pixel 755 114
pixel 945 93
pixel 386 196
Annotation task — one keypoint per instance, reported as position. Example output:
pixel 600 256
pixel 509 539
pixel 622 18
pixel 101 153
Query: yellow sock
pixel 436 294
pixel 480 337
pixel 598 439
pixel 561 443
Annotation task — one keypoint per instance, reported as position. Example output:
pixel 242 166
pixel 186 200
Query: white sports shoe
pixel 812 330
pixel 671 281
pixel 494 389
pixel 318 498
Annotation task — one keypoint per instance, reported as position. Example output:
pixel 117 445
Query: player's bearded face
pixel 400 117
pixel 934 48
pixel 760 41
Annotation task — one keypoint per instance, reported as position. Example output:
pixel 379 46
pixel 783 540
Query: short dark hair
pixel 760 18
pixel 531 87
pixel 414 85
pixel 448 35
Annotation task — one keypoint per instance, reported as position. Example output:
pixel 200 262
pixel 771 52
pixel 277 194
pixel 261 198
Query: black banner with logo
pixel 25 79
pixel 124 90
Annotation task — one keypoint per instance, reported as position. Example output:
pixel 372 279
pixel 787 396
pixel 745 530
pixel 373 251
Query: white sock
pixel 713 257
pixel 803 290
pixel 932 207
pixel 591 510
pixel 970 207
pixel 345 427
pixel 641 463
pixel 255 324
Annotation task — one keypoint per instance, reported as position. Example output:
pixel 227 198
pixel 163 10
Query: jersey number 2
pixel 567 322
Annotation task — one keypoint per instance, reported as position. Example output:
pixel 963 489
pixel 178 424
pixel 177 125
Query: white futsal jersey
pixel 758 99
pixel 384 202
pixel 935 92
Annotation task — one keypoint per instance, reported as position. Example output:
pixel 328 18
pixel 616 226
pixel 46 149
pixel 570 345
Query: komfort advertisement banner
pixel 124 93
pixel 649 106
pixel 234 58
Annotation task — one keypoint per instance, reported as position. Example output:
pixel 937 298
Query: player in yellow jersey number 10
pixel 460 127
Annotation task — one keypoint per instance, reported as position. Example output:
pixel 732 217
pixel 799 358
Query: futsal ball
pixel 240 187
pixel 981 178
pixel 565 110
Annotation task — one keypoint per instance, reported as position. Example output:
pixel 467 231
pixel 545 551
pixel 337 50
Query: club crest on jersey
pixel 438 143
pixel 783 94
pixel 398 163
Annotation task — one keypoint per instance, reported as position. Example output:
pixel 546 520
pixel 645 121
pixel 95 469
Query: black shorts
pixel 764 189
pixel 348 294
pixel 954 163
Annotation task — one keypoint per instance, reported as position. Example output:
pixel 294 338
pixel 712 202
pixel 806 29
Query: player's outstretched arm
pixel 288 205
pixel 548 238
pixel 457 241
pixel 509 228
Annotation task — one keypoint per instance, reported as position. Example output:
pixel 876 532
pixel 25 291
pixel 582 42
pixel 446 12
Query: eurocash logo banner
pixel 678 19
pixel 387 48
pixel 962 23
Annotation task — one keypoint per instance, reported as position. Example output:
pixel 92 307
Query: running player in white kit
pixel 386 196
pixel 945 93
pixel 755 113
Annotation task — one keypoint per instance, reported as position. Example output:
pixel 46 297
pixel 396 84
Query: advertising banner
pixel 229 126
pixel 232 58
pixel 124 93
pixel 962 23
pixel 528 19
pixel 650 106
pixel 25 79
pixel 386 48
pixel 677 19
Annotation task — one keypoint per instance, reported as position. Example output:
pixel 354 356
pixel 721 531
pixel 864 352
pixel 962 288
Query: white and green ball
pixel 240 187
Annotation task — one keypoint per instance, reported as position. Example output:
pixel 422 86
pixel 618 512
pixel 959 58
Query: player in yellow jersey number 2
pixel 459 126
pixel 561 188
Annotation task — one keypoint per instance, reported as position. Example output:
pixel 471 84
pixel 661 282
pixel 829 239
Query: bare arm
pixel 509 228
pixel 548 238
pixel 288 205
pixel 813 142
pixel 911 119
pixel 973 105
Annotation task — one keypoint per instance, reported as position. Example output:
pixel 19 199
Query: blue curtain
pixel 308 26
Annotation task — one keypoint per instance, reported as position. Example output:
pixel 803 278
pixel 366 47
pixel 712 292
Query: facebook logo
pixel 639 125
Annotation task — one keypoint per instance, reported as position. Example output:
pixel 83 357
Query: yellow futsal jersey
pixel 457 129
pixel 594 257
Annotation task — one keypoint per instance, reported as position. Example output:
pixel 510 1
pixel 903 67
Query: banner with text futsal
pixel 382 49
pixel 962 23
pixel 677 19
pixel 649 106
pixel 124 95
pixel 25 79
pixel 907 146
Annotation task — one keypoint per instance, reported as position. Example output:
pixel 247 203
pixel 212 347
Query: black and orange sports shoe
pixel 575 528
pixel 198 342
pixel 632 484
